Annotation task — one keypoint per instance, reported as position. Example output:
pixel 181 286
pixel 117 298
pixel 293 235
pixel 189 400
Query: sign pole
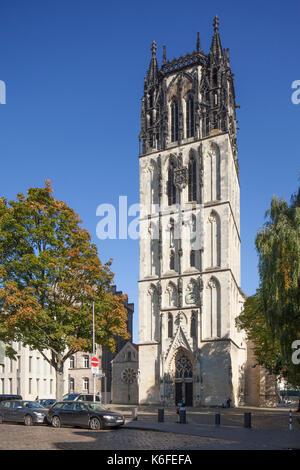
pixel 94 376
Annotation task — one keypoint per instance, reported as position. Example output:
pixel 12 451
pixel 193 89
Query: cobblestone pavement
pixel 20 437
pixel 261 418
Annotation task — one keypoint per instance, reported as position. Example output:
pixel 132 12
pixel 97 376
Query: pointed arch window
pixel 172 232
pixel 174 120
pixel 192 181
pixel 170 325
pixel 190 117
pixel 183 367
pixel 192 259
pixel 172 260
pixel 171 185
pixel 193 325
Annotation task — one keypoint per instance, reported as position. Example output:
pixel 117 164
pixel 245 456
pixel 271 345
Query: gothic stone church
pixel 189 292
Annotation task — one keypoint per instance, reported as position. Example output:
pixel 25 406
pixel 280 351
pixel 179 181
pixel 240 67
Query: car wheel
pixel 95 424
pixel 28 420
pixel 56 423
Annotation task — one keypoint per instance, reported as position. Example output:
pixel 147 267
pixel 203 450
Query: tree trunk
pixel 59 380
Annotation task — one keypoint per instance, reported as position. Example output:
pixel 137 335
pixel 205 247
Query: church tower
pixel 189 287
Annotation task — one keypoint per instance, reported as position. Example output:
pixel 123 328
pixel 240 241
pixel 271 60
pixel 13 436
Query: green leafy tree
pixel 50 274
pixel 271 318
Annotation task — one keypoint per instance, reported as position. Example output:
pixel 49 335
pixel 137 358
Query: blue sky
pixel 74 73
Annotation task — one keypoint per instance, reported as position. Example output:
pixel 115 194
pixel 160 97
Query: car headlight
pixel 109 417
pixel 40 415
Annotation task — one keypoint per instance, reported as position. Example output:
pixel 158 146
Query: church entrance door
pixel 183 379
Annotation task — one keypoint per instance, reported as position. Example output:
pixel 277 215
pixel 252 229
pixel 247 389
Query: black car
pixel 87 415
pixel 20 411
pixel 7 397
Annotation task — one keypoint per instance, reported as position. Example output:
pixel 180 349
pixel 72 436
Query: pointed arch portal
pixel 183 378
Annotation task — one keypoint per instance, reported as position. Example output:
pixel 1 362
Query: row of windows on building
pixel 35 364
pixel 35 386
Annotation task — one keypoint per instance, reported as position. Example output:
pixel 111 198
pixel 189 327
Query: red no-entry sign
pixel 95 361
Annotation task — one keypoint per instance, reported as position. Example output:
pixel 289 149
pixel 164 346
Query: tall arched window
pixel 172 260
pixel 193 326
pixel 192 259
pixel 170 325
pixel 213 321
pixel 174 120
pixel 171 185
pixel 192 182
pixel 172 232
pixel 190 117
pixel 215 239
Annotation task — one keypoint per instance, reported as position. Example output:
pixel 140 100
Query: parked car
pixel 46 402
pixel 81 397
pixel 20 411
pixel 6 397
pixel 88 415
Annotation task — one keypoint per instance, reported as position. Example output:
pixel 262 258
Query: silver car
pixel 21 411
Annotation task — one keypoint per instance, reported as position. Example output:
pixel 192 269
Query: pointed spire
pixel 216 47
pixel 164 55
pixel 198 42
pixel 152 74
pixel 153 49
pixel 216 24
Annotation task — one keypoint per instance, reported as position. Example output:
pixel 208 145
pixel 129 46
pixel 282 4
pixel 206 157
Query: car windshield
pixel 31 404
pixel 71 396
pixel 96 407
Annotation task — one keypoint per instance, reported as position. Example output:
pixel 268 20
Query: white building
pixel 30 375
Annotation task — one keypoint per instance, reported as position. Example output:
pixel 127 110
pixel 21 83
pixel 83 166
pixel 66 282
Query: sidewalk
pixel 228 437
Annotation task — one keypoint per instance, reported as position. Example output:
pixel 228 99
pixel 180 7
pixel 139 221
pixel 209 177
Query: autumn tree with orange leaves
pixel 50 274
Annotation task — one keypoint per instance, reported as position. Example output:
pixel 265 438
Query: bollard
pixel 160 416
pixel 247 420
pixel 291 420
pixel 182 416
pixel 218 419
pixel 134 414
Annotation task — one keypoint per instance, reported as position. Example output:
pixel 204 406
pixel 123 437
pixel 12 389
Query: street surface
pixel 269 431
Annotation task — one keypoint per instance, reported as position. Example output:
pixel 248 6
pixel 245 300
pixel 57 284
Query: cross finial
pixel 153 49
pixel 216 23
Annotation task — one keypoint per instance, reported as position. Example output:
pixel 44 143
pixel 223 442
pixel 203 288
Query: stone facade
pixel 189 287
pixel 260 386
pixel 80 376
pixel 125 375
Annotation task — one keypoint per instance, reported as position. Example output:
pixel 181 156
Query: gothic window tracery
pixel 183 367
